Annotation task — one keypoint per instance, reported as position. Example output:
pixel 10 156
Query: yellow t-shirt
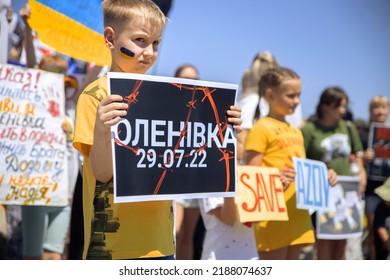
pixel 116 231
pixel 279 142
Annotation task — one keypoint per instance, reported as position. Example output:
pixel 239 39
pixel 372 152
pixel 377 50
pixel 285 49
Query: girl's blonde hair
pixel 261 62
pixel 273 78
pixel 116 12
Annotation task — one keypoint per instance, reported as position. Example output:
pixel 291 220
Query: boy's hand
pixel 234 117
pixel 332 177
pixel 109 112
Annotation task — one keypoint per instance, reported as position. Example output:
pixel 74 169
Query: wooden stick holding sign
pixel 260 194
pixel 312 184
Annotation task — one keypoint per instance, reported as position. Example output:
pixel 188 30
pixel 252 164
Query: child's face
pixel 133 46
pixel 286 97
pixel 336 112
pixel 379 113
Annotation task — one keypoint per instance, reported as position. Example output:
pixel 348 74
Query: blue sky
pixel 327 42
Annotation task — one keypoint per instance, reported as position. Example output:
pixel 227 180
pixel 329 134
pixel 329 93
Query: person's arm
pixel 227 213
pixel 384 237
pixel 357 149
pixel 109 113
pixel 369 155
pixel 241 145
pixel 332 177
pixel 31 60
pixel 362 174
pixel 287 174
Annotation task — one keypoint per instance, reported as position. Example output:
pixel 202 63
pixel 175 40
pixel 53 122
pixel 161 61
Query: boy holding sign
pixel 272 143
pixel 133 31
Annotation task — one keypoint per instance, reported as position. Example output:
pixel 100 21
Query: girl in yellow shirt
pixel 272 143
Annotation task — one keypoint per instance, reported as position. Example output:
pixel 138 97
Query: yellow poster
pixel 260 194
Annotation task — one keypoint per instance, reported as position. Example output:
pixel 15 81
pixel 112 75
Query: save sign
pixel 260 194
pixel 312 186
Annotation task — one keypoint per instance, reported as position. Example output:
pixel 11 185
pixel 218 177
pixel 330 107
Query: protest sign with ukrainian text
pixel 175 141
pixel 260 194
pixel 33 156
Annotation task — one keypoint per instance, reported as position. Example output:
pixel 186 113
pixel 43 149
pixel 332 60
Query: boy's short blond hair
pixel 122 11
pixel 379 101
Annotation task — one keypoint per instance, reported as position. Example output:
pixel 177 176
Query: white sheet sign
pixel 33 169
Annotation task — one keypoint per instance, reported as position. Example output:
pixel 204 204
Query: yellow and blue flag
pixel 72 27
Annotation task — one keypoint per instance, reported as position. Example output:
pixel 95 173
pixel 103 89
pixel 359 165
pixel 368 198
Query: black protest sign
pixel 175 141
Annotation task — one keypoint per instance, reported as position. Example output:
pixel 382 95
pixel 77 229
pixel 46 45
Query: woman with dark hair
pixel 332 140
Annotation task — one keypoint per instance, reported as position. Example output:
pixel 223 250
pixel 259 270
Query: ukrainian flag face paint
pixel 126 53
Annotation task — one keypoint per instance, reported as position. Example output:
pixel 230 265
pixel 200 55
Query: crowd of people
pixel 267 114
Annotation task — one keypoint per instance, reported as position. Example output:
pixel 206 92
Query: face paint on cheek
pixel 126 53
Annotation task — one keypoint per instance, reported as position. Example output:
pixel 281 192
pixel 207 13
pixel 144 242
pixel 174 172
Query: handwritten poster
pixel 379 141
pixel 346 220
pixel 260 194
pixel 33 169
pixel 311 181
pixel 175 141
